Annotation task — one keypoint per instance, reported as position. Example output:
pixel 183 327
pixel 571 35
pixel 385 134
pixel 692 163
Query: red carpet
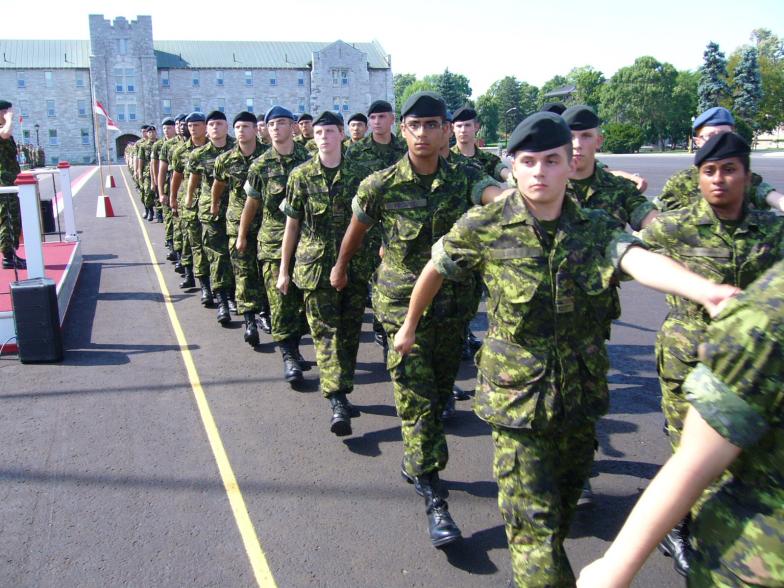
pixel 56 256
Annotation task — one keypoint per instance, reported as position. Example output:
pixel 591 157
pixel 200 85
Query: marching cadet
pixel 357 127
pixel 231 172
pixel 162 213
pixel 172 223
pixel 733 427
pixel 261 132
pixel 261 229
pixel 215 242
pixel 305 124
pixel 683 188
pixel 465 124
pixel 193 261
pixel 416 201
pixel 142 171
pixel 10 213
pixel 723 238
pixel 549 267
pixel 318 207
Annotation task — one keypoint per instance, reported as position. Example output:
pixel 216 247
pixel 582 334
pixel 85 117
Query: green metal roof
pixel 32 54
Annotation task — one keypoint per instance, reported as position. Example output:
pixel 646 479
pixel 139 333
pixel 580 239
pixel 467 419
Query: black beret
pixel 5 104
pixel 329 118
pixel 304 116
pixel 150 127
pixel 539 132
pixel 195 117
pixel 424 104
pixel 167 121
pixel 216 115
pixel 278 112
pixel 245 116
pixel 358 116
pixel 180 117
pixel 144 127
pixel 464 113
pixel 580 117
pixel 554 107
pixel 722 146
pixel 379 106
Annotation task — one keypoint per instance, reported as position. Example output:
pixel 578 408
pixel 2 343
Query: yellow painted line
pixel 250 539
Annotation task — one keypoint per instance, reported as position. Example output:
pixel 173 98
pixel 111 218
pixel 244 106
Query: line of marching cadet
pixel 290 224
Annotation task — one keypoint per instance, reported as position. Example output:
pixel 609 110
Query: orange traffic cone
pixel 110 183
pixel 104 209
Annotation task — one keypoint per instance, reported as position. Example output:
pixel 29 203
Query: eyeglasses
pixel 429 126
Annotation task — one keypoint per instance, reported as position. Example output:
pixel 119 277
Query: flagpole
pixel 108 152
pixel 97 136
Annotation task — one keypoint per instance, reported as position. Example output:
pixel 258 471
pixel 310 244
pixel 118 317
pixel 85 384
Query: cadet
pixel 193 260
pixel 266 191
pixel 10 213
pixel 231 172
pixel 465 123
pixel 723 238
pixel 416 201
pixel 305 124
pixel 357 127
pixel 733 423
pixel 172 224
pixel 261 132
pixel 549 266
pixel 318 207
pixel 162 212
pixel 201 165
pixel 144 171
pixel 683 188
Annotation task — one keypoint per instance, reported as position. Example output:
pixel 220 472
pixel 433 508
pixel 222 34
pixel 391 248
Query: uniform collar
pixel 704 215
pixel 515 211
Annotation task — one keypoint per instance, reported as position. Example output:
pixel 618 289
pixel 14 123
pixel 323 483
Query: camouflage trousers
pixel 191 226
pixel 540 477
pixel 146 192
pixel 287 313
pixel 335 320
pixel 10 222
pixel 215 244
pixel 168 219
pixel 422 380
pixel 248 289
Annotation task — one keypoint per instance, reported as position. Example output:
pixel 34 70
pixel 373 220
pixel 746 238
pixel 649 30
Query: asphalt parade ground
pixel 164 451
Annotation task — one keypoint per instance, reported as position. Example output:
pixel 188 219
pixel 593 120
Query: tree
pixel 424 85
pixel 713 87
pixel 401 83
pixel 507 97
pixel 622 138
pixel 684 106
pixel 748 86
pixel 529 99
pixel 487 109
pixel 552 84
pixel 588 83
pixel 454 89
pixel 770 52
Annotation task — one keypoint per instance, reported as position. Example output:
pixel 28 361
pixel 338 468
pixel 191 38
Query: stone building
pixel 139 80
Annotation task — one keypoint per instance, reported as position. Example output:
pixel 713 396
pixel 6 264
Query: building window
pixel 219 78
pixel 273 78
pixel 166 106
pixel 345 105
pixel 220 104
pixel 339 77
pixel 130 80
pixel 81 107
pixel 85 136
pixel 26 136
pixel 196 106
pixel 336 103
pixel 249 104
pixel 301 104
pixel 23 108
pixel 119 80
pixel 20 79
pixel 53 140
pixel 344 77
pixel 248 78
pixel 195 78
pixel 164 78
pixel 50 111
pixel 131 111
pixel 301 78
pixel 48 78
pixel 54 159
pixel 122 46
pixel 121 113
pixel 80 79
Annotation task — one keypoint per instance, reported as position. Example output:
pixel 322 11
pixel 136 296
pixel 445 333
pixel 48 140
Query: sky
pixel 483 40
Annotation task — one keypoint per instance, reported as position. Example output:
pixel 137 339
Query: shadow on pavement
pixel 470 554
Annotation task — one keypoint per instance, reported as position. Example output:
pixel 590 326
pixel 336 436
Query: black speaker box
pixel 37 321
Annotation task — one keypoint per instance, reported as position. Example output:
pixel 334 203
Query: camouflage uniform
pixel 335 318
pixel 683 189
pixel 413 216
pixel 490 164
pixel 266 182
pixel 155 155
pixel 736 388
pixel 192 252
pixel 10 213
pixel 232 169
pixel 695 237
pixel 542 380
pixel 144 154
pixel 213 237
pixel 172 222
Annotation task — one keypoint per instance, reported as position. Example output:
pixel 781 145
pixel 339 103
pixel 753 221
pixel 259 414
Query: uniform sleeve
pixel 671 197
pixel 760 190
pixel 221 171
pixel 178 161
pixel 638 207
pixel 192 164
pixel 295 197
pixel 367 204
pixel 618 242
pixel 458 253
pixel 254 184
pixel 655 235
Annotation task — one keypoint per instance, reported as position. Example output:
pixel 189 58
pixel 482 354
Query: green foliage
pixel 506 93
pixel 622 138
pixel 529 99
pixel 454 88
pixel 713 87
pixel 684 106
pixel 588 84
pixel 424 85
pixel 552 84
pixel 748 86
pixel 744 129
pixel 487 109
pixel 401 82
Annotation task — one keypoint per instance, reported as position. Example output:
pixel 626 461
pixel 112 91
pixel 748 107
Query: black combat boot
pixel 341 419
pixel 442 528
pixel 11 260
pixel 676 545
pixel 172 255
pixel 379 336
pixel 459 394
pixel 251 331
pixel 159 216
pixel 304 365
pixel 188 281
pixel 224 316
pixel 206 293
pixel 178 267
pixel 151 217
pixel 449 410
pixel 264 321
pixel 417 481
pixel 232 304
pixel 292 372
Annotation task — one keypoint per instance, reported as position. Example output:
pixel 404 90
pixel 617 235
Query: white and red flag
pixel 111 125
pixel 99 109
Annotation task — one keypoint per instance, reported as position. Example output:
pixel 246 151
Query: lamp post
pixel 37 139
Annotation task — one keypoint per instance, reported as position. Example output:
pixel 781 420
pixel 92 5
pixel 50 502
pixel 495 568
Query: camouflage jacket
pixel 619 197
pixel 144 154
pixel 164 154
pixel 202 162
pixel 325 212
pixel 375 156
pixel 413 217
pixel 231 168
pixel 267 178
pixel 683 189
pixel 155 151
pixel 737 390
pixel 179 163
pixel 543 365
pixel 490 164
pixel 9 166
